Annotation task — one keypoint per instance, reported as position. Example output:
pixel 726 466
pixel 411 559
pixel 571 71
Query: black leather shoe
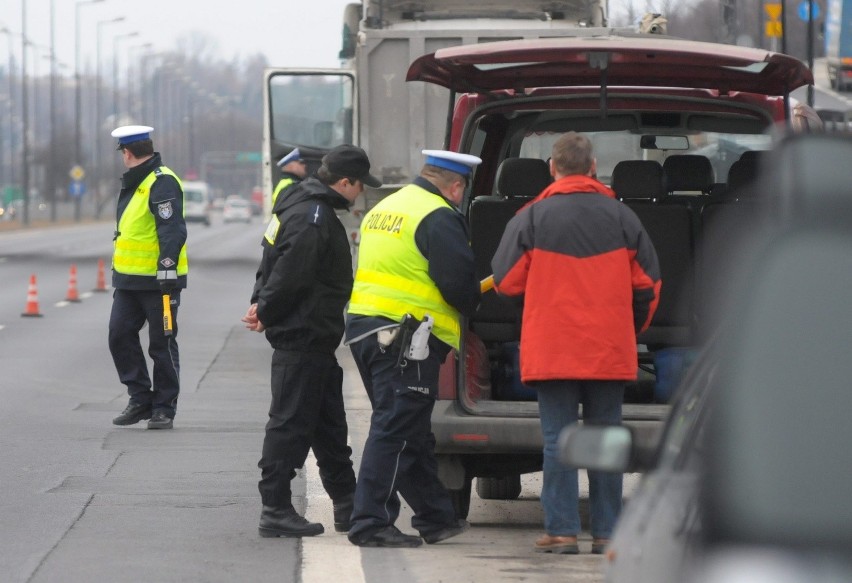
pixel 286 522
pixel 437 536
pixel 389 536
pixel 160 420
pixel 133 413
pixel 342 512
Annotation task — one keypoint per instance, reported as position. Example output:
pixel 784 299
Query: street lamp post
pixel 98 156
pixel 25 148
pixel 51 167
pixel 10 109
pixel 130 73
pixel 78 84
pixel 115 42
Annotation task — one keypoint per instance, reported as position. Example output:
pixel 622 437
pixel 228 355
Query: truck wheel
pixel 505 488
pixel 461 499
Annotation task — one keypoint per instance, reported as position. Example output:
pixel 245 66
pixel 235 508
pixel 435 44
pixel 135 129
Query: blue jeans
pixel 558 403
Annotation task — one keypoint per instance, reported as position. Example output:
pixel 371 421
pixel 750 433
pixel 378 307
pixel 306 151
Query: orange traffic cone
pixel 72 295
pixel 31 310
pixel 101 285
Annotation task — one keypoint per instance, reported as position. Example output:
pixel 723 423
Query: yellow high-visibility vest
pixel 282 184
pixel 392 278
pixel 137 248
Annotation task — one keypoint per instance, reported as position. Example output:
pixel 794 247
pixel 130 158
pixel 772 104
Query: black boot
pixel 286 522
pixel 133 413
pixel 343 512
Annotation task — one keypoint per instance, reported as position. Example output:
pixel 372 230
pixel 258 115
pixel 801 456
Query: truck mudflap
pixel 457 431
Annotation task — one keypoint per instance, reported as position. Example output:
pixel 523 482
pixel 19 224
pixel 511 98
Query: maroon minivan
pixel 677 126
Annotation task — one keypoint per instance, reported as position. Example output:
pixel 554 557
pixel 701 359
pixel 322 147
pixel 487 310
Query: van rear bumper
pixel 459 432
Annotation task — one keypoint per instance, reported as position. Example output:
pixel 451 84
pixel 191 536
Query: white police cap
pixel 454 161
pixel 293 156
pixel 129 134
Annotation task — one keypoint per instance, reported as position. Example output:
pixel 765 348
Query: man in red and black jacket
pixel 590 280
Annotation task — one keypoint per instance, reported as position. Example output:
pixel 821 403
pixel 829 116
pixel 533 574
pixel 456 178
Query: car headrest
pixel 638 179
pixel 688 172
pixel 740 176
pixel 525 177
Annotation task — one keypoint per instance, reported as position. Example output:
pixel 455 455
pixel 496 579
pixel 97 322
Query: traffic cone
pixel 72 295
pixel 31 311
pixel 101 285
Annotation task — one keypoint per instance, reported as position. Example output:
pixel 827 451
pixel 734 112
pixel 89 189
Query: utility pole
pixel 729 21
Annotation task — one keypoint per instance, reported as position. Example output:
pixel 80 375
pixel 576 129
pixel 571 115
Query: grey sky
pixel 289 32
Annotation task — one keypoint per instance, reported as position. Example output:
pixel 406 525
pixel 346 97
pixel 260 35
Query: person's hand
pixel 169 282
pixel 251 320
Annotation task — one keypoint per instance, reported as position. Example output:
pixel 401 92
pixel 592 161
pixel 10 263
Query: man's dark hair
pixel 328 178
pixel 140 149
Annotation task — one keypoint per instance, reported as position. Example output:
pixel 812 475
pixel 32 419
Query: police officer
pixel 302 286
pixel 149 262
pixel 414 259
pixel 293 171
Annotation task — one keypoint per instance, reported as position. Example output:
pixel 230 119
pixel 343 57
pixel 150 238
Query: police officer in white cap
pixel 414 261
pixel 149 261
pixel 293 171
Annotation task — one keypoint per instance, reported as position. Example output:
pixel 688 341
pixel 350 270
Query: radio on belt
pixel 419 347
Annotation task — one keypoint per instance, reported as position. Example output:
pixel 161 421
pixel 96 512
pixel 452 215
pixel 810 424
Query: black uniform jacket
pixel 305 278
pixel 171 232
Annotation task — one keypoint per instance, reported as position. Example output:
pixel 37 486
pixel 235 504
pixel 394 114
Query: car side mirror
pixel 595 447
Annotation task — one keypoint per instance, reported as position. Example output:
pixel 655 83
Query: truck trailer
pixel 367 102
pixel 838 43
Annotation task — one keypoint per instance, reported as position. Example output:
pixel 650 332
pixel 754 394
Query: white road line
pixel 329 557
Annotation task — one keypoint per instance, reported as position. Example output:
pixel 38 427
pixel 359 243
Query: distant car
pixel 749 480
pixel 236 209
pixel 195 202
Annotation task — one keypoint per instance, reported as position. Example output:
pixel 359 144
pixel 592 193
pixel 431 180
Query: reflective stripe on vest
pixel 282 184
pixel 393 276
pixel 137 248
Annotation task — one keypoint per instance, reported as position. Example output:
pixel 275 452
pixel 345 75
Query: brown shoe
pixel 599 545
pixel 561 545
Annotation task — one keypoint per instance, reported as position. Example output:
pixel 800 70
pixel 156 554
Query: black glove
pixel 167 280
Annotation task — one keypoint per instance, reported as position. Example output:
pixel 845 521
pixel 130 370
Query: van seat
pixel 518 181
pixel 638 179
pixel 525 177
pixel 688 173
pixel 670 226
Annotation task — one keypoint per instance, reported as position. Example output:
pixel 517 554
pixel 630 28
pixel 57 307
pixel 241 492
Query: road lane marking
pixel 330 556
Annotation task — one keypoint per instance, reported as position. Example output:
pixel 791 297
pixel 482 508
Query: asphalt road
pixel 83 500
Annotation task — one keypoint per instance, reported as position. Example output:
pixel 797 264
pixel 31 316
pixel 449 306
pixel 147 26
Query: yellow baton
pixel 486 284
pixel 167 315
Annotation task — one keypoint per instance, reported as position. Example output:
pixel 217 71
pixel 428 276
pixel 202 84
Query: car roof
pixel 628 60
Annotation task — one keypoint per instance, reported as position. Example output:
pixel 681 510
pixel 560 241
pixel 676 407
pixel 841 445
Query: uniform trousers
pixel 399 454
pixel 306 413
pixel 131 309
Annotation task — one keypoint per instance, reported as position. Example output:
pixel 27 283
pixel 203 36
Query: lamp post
pixel 115 42
pixel 51 168
pixel 10 108
pixel 78 84
pixel 97 151
pixel 130 73
pixel 25 147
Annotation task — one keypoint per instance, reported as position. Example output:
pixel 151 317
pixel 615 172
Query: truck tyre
pixel 504 488
pixel 461 498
